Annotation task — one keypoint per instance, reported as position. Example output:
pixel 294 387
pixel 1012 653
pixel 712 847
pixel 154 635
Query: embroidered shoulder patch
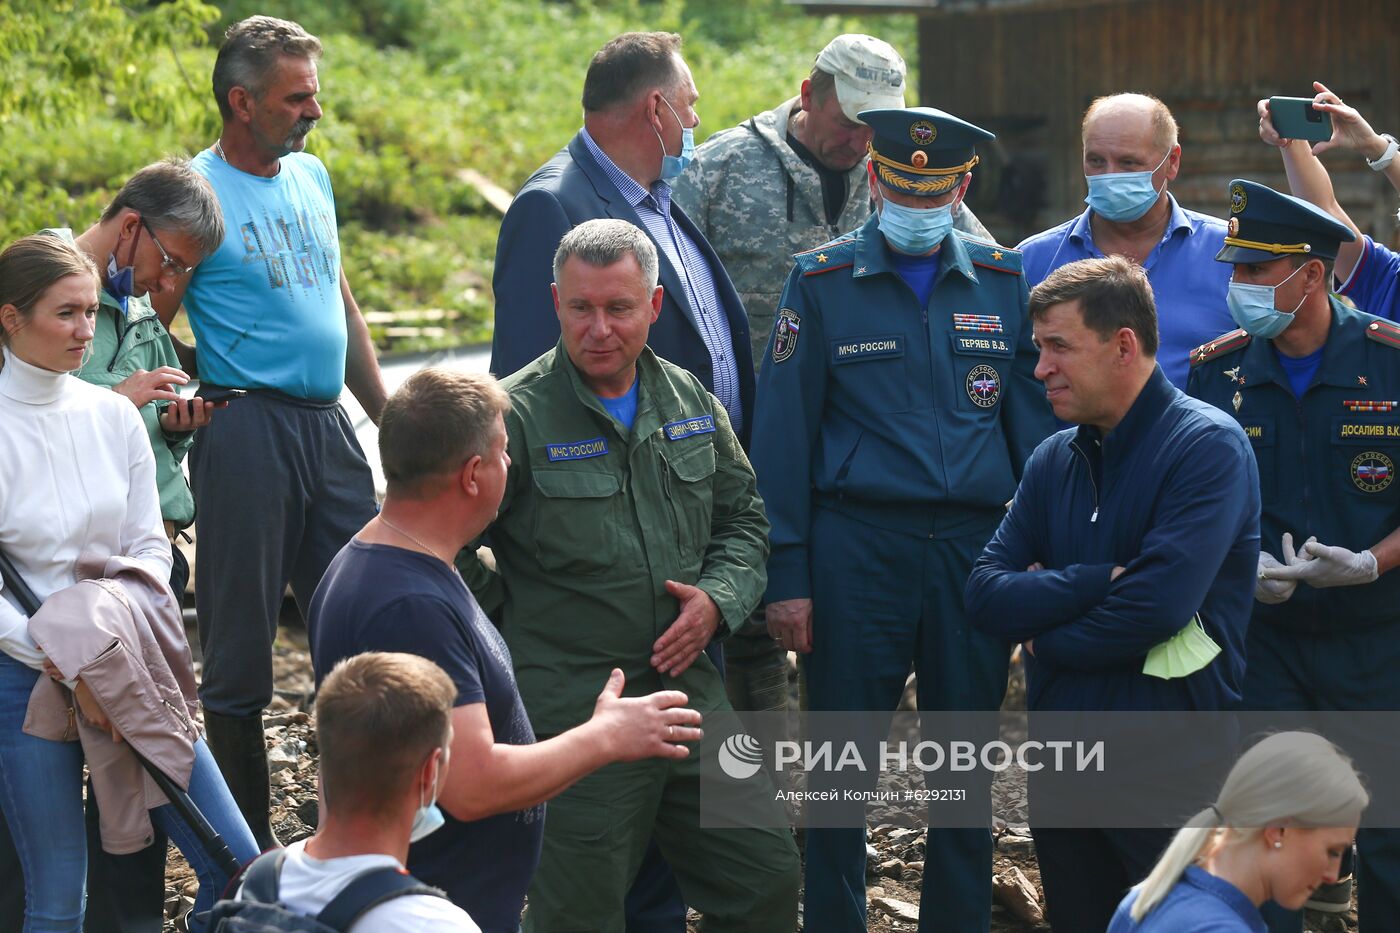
pixel 577 450
pixel 785 334
pixel 689 427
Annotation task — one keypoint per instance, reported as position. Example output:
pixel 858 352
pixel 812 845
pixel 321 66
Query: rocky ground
pixel 895 854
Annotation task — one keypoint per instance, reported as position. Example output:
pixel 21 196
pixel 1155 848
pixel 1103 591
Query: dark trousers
pixel 1332 672
pixel 1086 872
pixel 884 602
pixel 280 485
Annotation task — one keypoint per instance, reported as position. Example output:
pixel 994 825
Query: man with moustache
pixel 280 483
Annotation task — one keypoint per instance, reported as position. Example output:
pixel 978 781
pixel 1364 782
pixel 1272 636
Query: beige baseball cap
pixel 869 73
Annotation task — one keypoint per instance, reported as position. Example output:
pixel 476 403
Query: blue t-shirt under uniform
pixel 375 597
pixel 1188 283
pixel 918 272
pixel 266 307
pixel 1199 902
pixel 624 407
pixel 1300 370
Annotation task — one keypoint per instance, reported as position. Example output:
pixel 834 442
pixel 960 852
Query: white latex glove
pixel 1322 565
pixel 1273 592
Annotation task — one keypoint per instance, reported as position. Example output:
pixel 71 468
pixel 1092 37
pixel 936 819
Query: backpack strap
pixel 367 890
pixel 261 876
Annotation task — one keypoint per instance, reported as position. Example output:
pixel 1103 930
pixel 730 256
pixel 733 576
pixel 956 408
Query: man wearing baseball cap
pixel 896 408
pixel 780 183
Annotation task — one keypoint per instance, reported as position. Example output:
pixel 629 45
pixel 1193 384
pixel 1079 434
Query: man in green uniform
pixel 630 533
pixel 1315 386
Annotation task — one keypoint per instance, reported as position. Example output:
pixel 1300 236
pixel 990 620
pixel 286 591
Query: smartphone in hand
pixel 1295 118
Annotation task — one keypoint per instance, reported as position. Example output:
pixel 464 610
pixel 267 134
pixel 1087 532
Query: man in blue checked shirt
pixel 638 136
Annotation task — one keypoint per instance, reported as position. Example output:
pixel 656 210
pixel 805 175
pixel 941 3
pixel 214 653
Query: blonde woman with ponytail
pixel 1287 813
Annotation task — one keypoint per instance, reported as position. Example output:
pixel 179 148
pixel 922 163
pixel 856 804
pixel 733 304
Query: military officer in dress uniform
pixel 1316 387
pixel 896 408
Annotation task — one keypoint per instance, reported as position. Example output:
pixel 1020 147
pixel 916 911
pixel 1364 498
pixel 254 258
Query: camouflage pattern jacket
pixel 758 204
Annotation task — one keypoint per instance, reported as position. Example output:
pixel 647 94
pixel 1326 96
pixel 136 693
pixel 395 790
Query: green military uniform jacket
pixel 595 520
pixel 758 203
pixel 122 344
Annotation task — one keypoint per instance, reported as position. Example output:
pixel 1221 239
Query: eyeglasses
pixel 166 263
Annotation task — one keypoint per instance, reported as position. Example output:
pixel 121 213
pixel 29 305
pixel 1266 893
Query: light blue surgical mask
pixel 1252 307
pixel 120 280
pixel 1124 196
pixel 672 166
pixel 428 818
pixel 914 230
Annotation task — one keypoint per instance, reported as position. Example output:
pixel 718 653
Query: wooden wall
pixel 1028 74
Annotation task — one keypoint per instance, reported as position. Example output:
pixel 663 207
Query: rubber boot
pixel 238 747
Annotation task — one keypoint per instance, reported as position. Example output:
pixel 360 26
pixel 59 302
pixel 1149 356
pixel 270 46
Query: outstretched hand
pixel 653 726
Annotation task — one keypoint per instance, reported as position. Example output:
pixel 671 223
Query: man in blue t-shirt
pixel 394 588
pixel 280 484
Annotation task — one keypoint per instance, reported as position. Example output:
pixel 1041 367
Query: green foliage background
pixel 415 91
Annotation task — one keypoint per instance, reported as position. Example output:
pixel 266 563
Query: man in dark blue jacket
pixel 1138 526
pixel 637 137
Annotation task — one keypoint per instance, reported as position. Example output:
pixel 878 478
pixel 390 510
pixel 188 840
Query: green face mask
pixel 1185 653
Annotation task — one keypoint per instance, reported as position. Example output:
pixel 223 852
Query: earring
pixel 1278 844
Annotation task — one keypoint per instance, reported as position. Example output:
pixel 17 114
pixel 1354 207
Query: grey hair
pixel 251 51
pixel 169 195
pixel 606 241
pixel 1289 778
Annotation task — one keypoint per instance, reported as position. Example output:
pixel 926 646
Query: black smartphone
pixel 1295 118
pixel 223 395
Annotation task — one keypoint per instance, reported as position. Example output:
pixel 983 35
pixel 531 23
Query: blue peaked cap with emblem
pixel 920 150
pixel 1265 225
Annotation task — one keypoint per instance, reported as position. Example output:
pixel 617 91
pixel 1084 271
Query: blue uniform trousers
pixel 883 601
pixel 1346 670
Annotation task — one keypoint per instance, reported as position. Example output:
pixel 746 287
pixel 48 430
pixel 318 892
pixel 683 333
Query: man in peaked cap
pixel 897 405
pixel 780 183
pixel 1307 373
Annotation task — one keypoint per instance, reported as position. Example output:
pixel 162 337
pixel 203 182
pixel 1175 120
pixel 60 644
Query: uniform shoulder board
pixel 1386 332
pixel 1225 343
pixel 838 254
pixel 991 255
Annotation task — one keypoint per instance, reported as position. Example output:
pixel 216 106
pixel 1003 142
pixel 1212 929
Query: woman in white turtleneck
pixel 77 485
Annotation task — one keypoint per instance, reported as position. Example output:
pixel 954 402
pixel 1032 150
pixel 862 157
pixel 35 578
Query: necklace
pixel 218 148
pixel 390 525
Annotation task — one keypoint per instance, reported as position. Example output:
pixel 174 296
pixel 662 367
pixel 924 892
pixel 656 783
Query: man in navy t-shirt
pixel 393 588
